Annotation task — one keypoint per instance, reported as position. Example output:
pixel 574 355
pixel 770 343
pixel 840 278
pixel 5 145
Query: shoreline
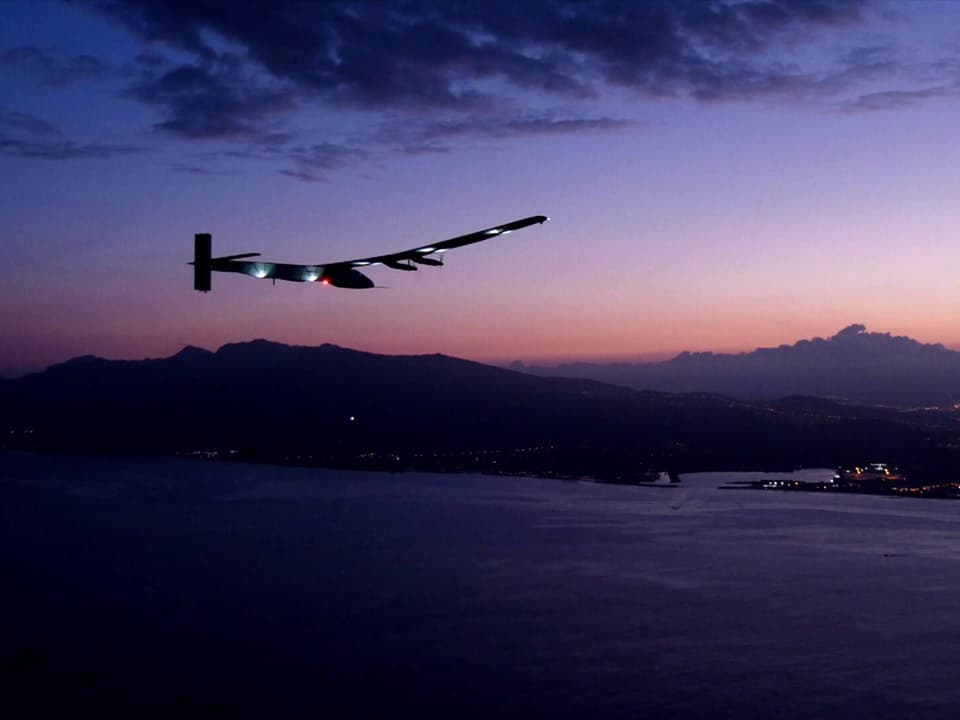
pixel 946 490
pixel 937 491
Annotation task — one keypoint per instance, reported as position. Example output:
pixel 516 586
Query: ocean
pixel 141 585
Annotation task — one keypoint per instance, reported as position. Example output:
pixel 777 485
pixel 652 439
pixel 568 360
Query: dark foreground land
pixel 332 407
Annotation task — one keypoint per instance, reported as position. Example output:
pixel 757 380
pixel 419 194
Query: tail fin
pixel 202 250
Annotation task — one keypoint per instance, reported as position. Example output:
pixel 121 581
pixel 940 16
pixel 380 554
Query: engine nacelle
pixel 398 265
pixel 347 278
pixel 427 261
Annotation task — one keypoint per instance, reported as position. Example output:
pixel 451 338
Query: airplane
pixel 342 274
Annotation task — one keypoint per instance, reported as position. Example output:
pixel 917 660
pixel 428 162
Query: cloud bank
pixel 448 68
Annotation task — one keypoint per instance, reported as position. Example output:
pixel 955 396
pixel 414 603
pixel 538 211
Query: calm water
pixel 142 585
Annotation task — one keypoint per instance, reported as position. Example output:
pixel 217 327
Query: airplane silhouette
pixel 343 274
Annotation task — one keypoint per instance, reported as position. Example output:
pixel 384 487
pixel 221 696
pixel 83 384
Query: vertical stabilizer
pixel 202 252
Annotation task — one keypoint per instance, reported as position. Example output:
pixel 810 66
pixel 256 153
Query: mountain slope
pixel 270 400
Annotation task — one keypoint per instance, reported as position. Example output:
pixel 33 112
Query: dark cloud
pixel 453 69
pixel 449 55
pixel 51 66
pixel 215 99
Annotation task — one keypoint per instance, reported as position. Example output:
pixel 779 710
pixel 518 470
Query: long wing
pixel 418 254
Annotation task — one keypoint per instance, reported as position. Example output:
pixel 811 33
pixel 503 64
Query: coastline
pixel 771 480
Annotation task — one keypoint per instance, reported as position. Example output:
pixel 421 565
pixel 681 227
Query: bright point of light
pixel 495 231
pixel 352 418
pixel 362 263
pixel 506 232
pixel 260 272
pixel 426 250
pixel 310 276
pixel 325 281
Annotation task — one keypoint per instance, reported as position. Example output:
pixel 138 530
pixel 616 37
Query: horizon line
pixel 652 357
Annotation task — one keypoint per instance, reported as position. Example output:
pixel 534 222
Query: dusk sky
pixel 719 175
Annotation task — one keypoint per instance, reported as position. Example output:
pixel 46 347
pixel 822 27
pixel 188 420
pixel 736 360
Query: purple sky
pixel 719 175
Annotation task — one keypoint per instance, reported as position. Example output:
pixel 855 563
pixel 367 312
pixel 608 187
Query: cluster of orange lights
pixel 926 488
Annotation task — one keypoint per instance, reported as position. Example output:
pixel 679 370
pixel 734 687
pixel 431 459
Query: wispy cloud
pixel 520 126
pixel 194 169
pixel 311 162
pixel 420 137
pixel 19 122
pixel 27 136
pixel 61 149
pixel 898 99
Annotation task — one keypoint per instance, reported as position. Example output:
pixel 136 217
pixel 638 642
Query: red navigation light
pixel 326 281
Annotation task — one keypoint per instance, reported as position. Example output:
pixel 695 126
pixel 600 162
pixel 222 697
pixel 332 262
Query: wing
pixel 344 273
pixel 420 254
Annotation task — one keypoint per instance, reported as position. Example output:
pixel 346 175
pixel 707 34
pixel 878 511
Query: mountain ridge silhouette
pixel 339 406
pixel 853 365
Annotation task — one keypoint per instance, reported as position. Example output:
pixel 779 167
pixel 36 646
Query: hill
pixel 335 406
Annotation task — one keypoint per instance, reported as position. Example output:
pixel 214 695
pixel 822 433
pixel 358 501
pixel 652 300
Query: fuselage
pixel 338 277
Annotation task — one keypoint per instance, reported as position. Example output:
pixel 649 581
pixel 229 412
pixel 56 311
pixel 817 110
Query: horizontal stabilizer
pixel 238 257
